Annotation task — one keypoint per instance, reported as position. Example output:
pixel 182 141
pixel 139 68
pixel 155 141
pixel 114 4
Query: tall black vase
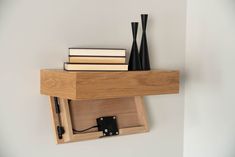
pixel 144 54
pixel 134 61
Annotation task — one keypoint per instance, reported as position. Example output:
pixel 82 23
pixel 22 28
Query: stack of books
pixel 87 59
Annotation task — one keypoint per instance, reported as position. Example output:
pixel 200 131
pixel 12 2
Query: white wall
pixel 36 34
pixel 210 102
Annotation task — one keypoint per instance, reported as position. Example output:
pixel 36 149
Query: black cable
pixel 79 131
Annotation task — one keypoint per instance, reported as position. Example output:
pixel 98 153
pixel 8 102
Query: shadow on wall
pixel 4 5
pixel 149 115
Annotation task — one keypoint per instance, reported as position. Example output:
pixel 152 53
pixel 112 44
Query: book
pixel 96 52
pixel 95 67
pixel 111 60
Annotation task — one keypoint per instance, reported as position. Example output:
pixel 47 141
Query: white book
pixel 96 52
pixel 95 67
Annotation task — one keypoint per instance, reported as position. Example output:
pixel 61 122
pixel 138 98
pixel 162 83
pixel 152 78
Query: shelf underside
pixel 81 114
pixel 102 85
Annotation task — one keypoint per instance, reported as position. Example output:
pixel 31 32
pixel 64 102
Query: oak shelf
pixel 101 85
pixel 85 96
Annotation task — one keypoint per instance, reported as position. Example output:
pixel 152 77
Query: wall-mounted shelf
pixel 85 96
pixel 101 85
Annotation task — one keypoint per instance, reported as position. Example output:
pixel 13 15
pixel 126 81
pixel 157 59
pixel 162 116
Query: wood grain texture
pixel 81 114
pixel 133 130
pixel 84 113
pixel 101 85
pixel 142 115
pixel 86 136
pixel 57 83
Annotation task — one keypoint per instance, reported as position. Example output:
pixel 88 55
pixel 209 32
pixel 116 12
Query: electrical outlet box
pixel 108 125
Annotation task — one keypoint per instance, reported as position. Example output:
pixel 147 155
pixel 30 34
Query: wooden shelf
pixel 100 85
pixel 85 96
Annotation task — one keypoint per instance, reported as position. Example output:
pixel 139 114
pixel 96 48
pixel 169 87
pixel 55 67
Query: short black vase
pixel 144 54
pixel 134 61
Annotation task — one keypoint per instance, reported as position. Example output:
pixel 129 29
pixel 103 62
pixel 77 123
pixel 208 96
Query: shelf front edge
pixel 102 85
pixel 55 83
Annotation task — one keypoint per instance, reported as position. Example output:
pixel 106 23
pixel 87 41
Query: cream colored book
pixel 111 60
pixel 96 52
pixel 95 67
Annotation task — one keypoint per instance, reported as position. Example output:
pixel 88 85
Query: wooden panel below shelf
pixel 81 114
pixel 102 85
pixel 85 112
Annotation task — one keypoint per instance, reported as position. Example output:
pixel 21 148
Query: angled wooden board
pixel 80 114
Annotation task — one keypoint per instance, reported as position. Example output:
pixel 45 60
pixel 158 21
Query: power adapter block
pixel 108 125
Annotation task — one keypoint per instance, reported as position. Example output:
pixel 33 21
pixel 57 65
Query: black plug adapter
pixel 108 125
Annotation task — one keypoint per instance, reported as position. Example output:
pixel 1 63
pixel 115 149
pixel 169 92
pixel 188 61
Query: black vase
pixel 144 54
pixel 134 61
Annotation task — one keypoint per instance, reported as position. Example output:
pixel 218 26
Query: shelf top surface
pixel 108 72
